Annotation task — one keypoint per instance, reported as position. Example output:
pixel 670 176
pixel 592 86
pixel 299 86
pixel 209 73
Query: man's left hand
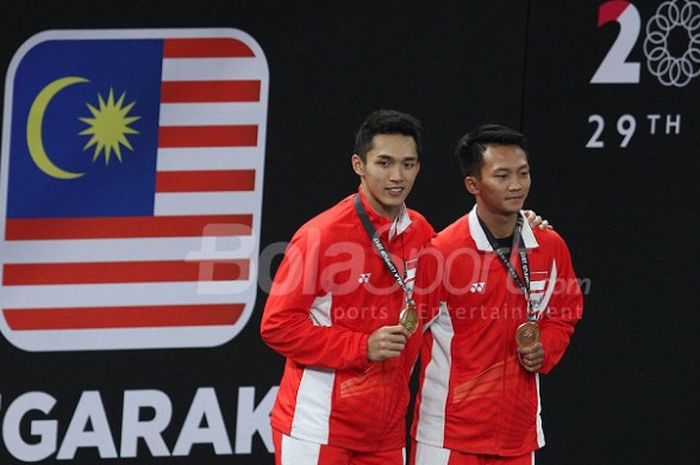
pixel 536 221
pixel 531 357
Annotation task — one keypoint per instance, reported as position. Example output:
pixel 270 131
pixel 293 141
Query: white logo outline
pixel 670 70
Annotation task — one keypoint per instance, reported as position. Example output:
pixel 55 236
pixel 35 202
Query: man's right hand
pixel 386 342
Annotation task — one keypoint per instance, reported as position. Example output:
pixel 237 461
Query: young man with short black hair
pixel 335 308
pixel 507 300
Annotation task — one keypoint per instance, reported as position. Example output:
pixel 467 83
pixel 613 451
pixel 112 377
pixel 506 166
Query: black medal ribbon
pixel 379 246
pixel 524 263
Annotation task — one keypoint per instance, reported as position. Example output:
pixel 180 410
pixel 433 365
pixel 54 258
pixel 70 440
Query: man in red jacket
pixel 335 308
pixel 507 300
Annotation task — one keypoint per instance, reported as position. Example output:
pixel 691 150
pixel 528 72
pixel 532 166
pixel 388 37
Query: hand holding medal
pixel 531 356
pixel 386 342
pixel 530 349
pixel 527 338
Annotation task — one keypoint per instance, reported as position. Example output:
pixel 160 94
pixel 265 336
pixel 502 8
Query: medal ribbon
pixel 524 263
pixel 379 246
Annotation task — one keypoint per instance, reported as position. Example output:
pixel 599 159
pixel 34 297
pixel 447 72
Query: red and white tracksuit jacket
pixel 474 395
pixel 331 291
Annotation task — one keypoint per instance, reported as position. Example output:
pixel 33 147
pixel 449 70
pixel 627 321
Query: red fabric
pixel 463 458
pixel 329 455
pixel 454 457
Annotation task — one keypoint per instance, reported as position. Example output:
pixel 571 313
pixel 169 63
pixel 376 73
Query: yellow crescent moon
pixel 34 123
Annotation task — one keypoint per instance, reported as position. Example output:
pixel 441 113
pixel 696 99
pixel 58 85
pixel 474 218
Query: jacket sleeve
pixel 563 311
pixel 290 325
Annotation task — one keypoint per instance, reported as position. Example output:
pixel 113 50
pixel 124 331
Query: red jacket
pixel 474 395
pixel 331 291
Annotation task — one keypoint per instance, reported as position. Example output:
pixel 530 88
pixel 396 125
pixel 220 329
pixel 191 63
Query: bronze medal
pixel 527 334
pixel 409 317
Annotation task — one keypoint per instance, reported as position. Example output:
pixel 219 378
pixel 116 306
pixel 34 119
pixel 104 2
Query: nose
pixel 397 173
pixel 515 185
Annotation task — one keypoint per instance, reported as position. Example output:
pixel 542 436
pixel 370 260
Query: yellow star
pixel 109 126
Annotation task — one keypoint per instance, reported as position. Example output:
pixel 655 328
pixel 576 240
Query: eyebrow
pixel 389 157
pixel 503 168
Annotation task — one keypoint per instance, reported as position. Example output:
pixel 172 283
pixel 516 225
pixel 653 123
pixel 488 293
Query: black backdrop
pixel 623 392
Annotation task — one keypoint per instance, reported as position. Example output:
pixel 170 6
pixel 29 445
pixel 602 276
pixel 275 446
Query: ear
pixel 358 166
pixel 472 185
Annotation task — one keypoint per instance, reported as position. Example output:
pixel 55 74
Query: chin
pixel 392 204
pixel 394 201
pixel 512 210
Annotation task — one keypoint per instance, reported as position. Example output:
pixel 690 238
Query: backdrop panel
pixel 612 168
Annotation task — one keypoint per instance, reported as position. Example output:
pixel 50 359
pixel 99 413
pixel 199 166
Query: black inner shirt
pixel 504 244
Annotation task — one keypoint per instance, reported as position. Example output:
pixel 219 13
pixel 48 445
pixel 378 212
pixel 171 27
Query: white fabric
pixel 313 405
pixel 538 419
pixel 431 455
pixel 297 452
pixel 401 222
pixel 482 242
pixel 431 420
pixel 321 310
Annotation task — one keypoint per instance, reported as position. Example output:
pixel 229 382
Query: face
pixel 505 180
pixel 388 175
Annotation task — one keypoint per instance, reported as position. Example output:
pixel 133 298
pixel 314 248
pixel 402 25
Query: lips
pixel 395 190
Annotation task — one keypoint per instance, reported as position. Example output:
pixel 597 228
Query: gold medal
pixel 527 334
pixel 409 317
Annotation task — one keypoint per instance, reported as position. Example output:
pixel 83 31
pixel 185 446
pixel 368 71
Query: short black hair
pixel 387 122
pixel 471 147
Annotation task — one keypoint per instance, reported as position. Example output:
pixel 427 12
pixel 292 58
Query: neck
pixel 501 225
pixel 382 210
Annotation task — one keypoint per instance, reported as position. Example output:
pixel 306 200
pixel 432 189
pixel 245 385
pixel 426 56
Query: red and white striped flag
pixel 131 188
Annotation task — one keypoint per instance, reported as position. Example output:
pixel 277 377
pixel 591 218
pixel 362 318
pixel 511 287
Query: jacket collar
pixel 394 228
pixel 482 242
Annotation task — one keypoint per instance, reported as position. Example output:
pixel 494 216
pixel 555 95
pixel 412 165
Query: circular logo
pixel 676 16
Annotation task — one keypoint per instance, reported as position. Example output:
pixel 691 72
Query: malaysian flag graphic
pixel 131 188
